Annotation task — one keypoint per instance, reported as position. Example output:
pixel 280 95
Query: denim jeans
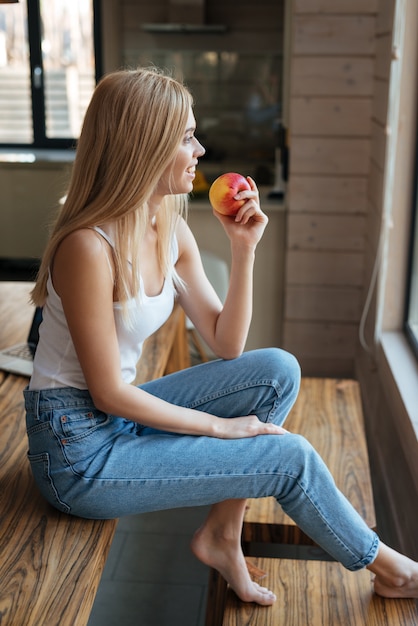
pixel 94 465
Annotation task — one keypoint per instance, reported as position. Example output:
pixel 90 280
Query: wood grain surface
pixel 50 563
pixel 318 593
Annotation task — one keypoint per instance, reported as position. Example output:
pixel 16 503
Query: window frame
pixel 40 139
pixel 410 334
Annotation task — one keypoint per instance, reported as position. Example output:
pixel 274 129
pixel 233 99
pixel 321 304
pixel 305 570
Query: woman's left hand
pixel 248 225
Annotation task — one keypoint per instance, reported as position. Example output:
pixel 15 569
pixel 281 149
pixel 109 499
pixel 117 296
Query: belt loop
pixel 36 403
pixel 32 401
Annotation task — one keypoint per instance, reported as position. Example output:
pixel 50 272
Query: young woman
pixel 119 256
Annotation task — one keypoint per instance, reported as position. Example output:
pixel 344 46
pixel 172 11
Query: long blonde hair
pixel 131 132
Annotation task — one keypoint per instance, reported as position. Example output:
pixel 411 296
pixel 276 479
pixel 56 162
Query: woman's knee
pixel 287 373
pixel 276 362
pixel 280 373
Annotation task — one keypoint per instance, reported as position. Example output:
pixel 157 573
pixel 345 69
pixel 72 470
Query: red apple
pixel 223 190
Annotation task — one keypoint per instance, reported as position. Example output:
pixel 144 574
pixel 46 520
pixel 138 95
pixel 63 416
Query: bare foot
pixel 408 590
pixel 402 585
pixel 396 574
pixel 227 558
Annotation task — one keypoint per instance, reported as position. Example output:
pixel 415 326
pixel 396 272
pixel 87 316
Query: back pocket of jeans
pixel 40 466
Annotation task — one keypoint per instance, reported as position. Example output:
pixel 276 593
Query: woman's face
pixel 179 175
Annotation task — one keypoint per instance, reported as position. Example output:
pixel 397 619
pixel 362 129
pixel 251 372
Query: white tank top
pixel 56 363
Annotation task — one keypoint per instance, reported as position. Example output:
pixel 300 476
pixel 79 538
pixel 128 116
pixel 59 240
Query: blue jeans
pixel 94 465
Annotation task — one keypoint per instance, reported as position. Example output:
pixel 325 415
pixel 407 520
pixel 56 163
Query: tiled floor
pixel 151 577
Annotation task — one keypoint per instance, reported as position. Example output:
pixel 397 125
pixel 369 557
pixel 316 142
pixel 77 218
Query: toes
pixel 266 594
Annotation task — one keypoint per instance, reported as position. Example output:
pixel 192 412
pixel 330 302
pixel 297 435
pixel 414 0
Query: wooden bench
pixel 328 413
pixel 51 563
pixel 319 593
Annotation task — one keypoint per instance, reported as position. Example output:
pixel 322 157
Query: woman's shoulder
pixel 184 235
pixel 81 257
pixel 188 250
pixel 83 239
pixel 83 244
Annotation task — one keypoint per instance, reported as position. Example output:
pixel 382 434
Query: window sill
pixel 399 377
pixel 26 155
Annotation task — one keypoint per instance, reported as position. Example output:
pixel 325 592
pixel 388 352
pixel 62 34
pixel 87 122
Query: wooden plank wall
pixel 331 97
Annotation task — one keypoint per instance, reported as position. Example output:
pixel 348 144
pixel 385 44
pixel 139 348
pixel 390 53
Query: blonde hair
pixel 131 132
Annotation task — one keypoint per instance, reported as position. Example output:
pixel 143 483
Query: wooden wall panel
pixel 327 194
pixel 334 34
pixel 328 339
pixel 324 268
pixel 329 155
pixel 323 303
pixel 385 16
pixel 326 232
pixel 332 76
pixel 330 116
pixel 331 99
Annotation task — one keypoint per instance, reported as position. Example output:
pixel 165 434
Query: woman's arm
pixel 224 328
pixel 82 278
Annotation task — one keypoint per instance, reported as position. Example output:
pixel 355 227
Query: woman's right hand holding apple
pixel 236 204
pixel 244 227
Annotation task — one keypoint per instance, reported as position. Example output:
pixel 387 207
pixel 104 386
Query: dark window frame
pixel 40 139
pixel 409 332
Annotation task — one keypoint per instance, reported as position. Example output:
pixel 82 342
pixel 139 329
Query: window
pixel 48 68
pixel 412 301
